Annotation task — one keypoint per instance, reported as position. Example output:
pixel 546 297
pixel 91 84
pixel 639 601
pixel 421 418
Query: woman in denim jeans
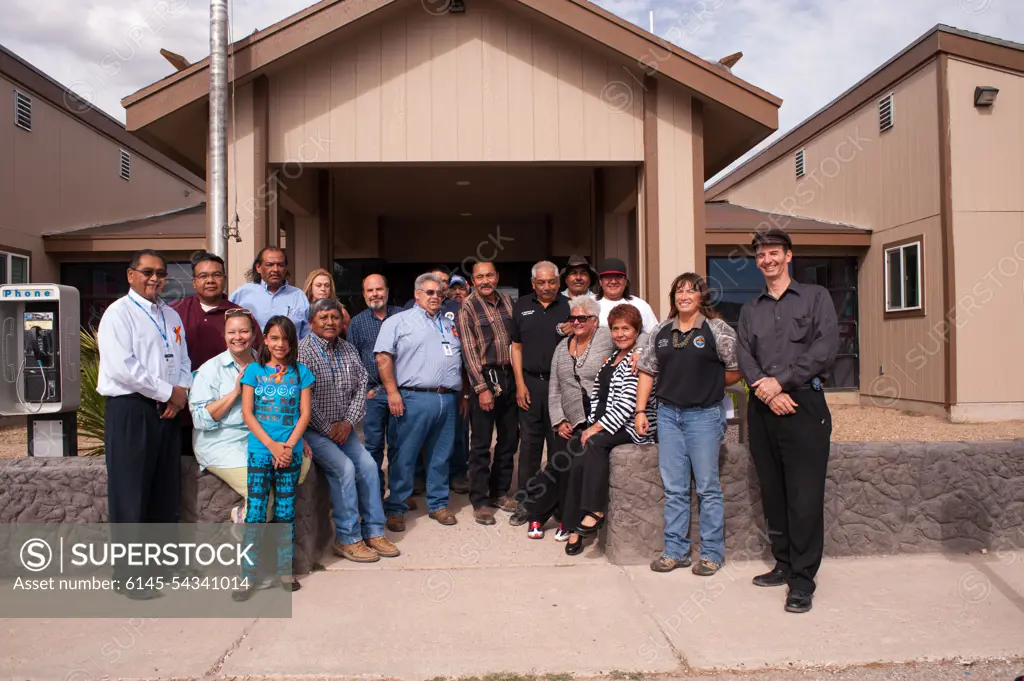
pixel 693 353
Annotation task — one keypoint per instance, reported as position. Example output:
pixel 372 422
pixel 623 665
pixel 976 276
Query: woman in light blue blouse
pixel 220 437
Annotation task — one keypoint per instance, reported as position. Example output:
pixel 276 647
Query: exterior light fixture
pixel 462 183
pixel 457 6
pixel 985 95
pixel 466 215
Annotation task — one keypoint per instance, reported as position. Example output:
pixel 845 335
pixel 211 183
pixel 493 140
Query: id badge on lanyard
pixel 445 344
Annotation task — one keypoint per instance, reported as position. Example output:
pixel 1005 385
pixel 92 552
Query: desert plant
pixel 93 406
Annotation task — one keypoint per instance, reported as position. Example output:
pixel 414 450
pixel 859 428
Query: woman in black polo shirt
pixel 693 354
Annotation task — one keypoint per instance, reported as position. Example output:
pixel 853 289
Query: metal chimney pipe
pixel 217 191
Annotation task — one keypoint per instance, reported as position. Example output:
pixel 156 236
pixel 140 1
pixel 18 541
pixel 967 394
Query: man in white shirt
pixel 614 290
pixel 144 374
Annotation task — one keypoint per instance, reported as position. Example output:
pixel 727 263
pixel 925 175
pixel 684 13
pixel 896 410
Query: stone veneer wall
pixel 880 498
pixel 74 490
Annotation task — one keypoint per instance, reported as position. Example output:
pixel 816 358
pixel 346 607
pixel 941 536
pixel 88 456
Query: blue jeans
pixel 689 440
pixel 378 424
pixel 428 423
pixel 355 486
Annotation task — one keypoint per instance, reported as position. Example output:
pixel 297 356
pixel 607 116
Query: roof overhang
pixel 177 230
pixel 738 115
pixel 731 225
pixel 939 40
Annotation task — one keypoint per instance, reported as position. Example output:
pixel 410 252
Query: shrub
pixel 93 407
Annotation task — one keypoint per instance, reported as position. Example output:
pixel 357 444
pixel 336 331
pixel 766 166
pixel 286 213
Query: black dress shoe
pixel 574 548
pixel 774 578
pixel 799 601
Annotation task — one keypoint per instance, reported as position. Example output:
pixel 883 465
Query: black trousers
pixel 791 456
pixel 543 495
pixel 534 431
pixel 143 456
pixel 586 489
pixel 489 480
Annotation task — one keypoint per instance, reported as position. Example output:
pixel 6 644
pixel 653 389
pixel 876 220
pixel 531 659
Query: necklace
pixel 580 360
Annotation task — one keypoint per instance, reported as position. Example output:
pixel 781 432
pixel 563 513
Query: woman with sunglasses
pixel 220 436
pixel 693 354
pixel 574 368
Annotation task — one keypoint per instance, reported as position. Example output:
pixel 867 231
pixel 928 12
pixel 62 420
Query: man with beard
pixel 378 424
pixel 485 328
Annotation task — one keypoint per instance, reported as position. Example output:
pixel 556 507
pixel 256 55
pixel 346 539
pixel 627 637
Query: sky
pixel 806 52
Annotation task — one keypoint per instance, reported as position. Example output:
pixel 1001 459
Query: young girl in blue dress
pixel 276 400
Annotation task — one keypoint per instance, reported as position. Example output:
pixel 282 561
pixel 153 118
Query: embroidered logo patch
pixel 698 342
pixel 663 343
pixel 450 316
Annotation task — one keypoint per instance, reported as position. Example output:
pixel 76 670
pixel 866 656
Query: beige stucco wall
pixel 675 189
pixel 889 182
pixel 489 85
pixel 65 174
pixel 987 151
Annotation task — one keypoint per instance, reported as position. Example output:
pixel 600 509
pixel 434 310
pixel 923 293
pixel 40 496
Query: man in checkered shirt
pixel 339 403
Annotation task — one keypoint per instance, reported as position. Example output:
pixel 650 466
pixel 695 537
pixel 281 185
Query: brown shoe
pixel 396 523
pixel 507 504
pixel 411 504
pixel 484 515
pixel 383 546
pixel 357 552
pixel 444 516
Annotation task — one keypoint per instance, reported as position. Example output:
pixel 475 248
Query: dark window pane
pixel 19 269
pixel 910 270
pixel 3 269
pixel 894 295
pixel 734 272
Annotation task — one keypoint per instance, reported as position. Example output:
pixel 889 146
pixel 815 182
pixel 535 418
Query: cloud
pixel 806 52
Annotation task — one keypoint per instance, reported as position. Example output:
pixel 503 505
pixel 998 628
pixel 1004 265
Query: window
pixel 126 165
pixel 903 277
pixel 23 111
pixel 13 268
pixel 800 163
pixel 101 283
pixel 885 113
pixel 735 280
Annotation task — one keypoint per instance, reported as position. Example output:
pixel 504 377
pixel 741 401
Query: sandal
pixel 590 530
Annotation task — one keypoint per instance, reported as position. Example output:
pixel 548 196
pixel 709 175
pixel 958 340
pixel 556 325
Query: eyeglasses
pixel 238 312
pixel 432 292
pixel 206 276
pixel 580 318
pixel 149 272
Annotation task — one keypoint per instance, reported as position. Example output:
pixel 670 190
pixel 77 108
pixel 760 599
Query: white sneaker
pixel 560 534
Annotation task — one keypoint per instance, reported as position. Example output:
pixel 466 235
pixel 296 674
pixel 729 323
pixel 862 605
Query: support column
pixel 649 181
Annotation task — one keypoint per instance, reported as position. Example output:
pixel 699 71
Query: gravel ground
pixel 849 424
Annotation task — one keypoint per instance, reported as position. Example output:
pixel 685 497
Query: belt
pixel 440 390
pixel 139 398
pixel 543 377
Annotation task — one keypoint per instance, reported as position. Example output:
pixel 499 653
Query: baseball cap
pixel 457 280
pixel 612 266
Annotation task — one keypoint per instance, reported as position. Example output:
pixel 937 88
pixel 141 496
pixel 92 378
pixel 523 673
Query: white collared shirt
pixel 134 355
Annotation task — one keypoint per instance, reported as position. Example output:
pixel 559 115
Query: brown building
pixel 905 196
pixel 379 135
pixel 79 193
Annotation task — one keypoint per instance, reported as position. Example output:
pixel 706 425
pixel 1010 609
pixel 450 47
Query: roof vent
pixel 23 111
pixel 885 113
pixel 800 163
pixel 126 165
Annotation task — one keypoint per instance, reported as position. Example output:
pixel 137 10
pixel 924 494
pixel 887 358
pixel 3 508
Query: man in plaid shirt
pixel 339 403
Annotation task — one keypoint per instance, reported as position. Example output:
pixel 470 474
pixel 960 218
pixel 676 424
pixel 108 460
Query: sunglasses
pixel 580 318
pixel 149 272
pixel 432 292
pixel 238 312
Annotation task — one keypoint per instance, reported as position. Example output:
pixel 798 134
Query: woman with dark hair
pixel 693 355
pixel 276 406
pixel 612 403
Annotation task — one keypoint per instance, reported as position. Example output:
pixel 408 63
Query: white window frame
pixel 918 244
pixel 8 259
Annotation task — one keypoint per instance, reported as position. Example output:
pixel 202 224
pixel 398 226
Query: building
pixel 386 135
pixel 80 194
pixel 905 196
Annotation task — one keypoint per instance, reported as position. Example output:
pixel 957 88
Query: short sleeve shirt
pixel 277 400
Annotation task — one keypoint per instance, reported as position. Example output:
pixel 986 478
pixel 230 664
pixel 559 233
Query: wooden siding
pixel 489 85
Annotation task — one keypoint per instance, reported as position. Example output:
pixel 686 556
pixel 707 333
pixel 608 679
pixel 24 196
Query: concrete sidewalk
pixel 471 600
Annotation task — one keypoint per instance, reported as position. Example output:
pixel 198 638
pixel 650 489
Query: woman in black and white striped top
pixel 612 405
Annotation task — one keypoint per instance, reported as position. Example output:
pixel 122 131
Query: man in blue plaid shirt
pixel 339 403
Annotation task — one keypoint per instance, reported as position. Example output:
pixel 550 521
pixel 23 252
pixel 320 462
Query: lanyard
pixel 337 361
pixel 163 332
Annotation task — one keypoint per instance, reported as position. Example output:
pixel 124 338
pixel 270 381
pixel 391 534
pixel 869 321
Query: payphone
pixel 39 357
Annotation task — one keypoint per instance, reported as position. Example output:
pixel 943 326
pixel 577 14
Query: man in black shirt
pixel 535 335
pixel 788 339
